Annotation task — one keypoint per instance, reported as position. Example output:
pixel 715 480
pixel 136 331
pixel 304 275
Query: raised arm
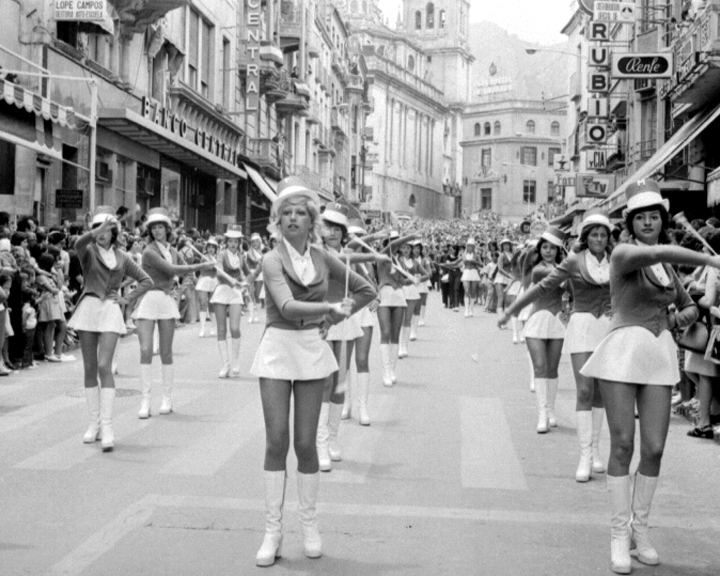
pixel 359 289
pixel 630 257
pixel 153 259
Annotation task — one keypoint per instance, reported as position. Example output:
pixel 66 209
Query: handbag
pixel 695 337
pixel 712 351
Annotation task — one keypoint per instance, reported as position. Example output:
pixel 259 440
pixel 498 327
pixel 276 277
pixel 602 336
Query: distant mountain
pixel 532 75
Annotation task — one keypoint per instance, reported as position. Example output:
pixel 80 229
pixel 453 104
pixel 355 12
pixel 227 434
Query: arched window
pixel 412 201
pixel 418 20
pixel 487 129
pixel 530 126
pixel 496 128
pixel 555 128
pixel 477 129
pixel 411 63
pixel 354 6
pixel 442 19
pixel 430 16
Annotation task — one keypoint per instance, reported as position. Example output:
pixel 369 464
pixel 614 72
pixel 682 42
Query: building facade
pixel 509 148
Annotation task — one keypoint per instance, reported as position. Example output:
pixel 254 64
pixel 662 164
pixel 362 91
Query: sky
pixel 537 21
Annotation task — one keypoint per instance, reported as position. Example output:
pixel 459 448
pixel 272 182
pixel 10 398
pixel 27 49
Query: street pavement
pixel 450 478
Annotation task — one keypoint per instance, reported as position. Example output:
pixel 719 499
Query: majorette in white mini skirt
pixel 470 275
pixel 206 284
pixel 293 355
pixel 584 332
pixel 544 325
pixel 226 294
pixel 635 355
pixel 367 319
pixel 156 305
pixel 345 331
pixel 392 297
pixel 411 292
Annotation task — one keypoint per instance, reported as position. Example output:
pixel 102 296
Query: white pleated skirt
pixel 635 355
pixel 544 326
pixel 525 312
pixel 156 305
pixel 514 288
pixel 206 284
pixel 95 315
pixel 367 319
pixel 697 364
pixel 225 294
pixel 345 331
pixel 584 332
pixel 293 355
pixel 392 297
pixel 411 292
pixel 470 276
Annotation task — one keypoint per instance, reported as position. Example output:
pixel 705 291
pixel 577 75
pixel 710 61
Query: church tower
pixel 442 28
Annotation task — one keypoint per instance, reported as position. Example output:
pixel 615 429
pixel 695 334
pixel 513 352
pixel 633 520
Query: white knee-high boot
pixel 403 344
pixel 598 415
pixel 385 361
pixel 394 355
pixel 92 398
pixel 414 326
pixel 363 387
pixel 422 316
pixel 541 399
pixel 347 403
pixel 334 414
pixel 308 485
pixel 619 487
pixel 467 307
pixel 643 494
pixel 107 399
pixel 203 315
pixel 145 386
pixel 274 500
pixel 514 324
pixel 552 388
pixel 322 438
pixel 167 381
pixel 236 356
pixel 223 347
pixel 584 432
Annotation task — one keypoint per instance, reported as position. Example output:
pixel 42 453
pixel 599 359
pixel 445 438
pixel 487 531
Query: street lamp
pixel 532 51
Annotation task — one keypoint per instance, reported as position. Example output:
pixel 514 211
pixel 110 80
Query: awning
pixel 34 146
pixel 686 134
pixel 144 131
pixel 34 103
pixel 260 182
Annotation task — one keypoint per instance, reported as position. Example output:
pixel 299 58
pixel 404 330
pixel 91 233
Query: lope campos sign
pixel 658 65
pixel 80 10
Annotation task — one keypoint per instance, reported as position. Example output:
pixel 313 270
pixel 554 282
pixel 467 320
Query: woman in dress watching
pixel 636 363
pixel 162 263
pixel 98 317
pixel 292 360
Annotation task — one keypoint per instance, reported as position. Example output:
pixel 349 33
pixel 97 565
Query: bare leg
pixel 275 397
pixel 620 399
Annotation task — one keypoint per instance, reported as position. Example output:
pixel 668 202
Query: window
pixel 477 129
pixel 551 191
pixel 486 158
pixel 226 73
pixel 496 128
pixel 648 126
pixel 442 19
pixel 530 127
pixel 555 128
pixel 528 155
pixel 486 199
pixel 418 20
pixel 200 51
pixel 529 191
pixel 430 17
pixel 551 155
pixel 486 129
pixel 411 63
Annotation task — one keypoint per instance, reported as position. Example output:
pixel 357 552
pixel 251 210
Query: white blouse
pixel 302 263
pixel 108 256
pixel 598 271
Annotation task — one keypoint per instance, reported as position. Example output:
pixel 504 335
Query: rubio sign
pixel 658 65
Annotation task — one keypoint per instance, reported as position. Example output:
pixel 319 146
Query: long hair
pixel 538 252
pixel 169 237
pixel 582 242
pixel 664 237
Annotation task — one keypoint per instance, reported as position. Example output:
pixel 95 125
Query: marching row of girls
pixel 626 302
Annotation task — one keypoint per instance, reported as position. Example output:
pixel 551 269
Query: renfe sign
pixel 253 21
pixel 657 65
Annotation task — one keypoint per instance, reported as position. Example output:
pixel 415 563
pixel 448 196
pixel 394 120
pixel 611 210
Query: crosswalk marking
pixel 71 452
pixel 358 443
pixel 213 450
pixel 36 412
pixel 488 458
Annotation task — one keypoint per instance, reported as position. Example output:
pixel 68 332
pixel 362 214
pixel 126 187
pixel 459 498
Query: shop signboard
pixel 80 10
pixel 590 185
pixel 655 65
pixel 595 159
pixel 561 163
pixel 598 31
pixel 615 12
pixel 68 198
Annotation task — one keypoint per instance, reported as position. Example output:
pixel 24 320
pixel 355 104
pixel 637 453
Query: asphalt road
pixel 450 478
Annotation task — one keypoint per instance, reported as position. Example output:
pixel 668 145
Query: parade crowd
pixel 634 304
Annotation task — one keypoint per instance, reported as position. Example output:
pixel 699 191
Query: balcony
pixel 355 83
pixel 290 25
pixel 696 50
pixel 270 52
pixel 303 89
pixel 314 114
pixel 136 15
pixel 291 104
pixel 266 153
pixel 275 88
pixel 339 121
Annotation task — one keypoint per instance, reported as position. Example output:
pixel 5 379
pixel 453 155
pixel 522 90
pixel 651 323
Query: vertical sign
pixel 252 24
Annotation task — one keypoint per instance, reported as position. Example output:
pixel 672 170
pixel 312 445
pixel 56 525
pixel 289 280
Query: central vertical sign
pixel 253 22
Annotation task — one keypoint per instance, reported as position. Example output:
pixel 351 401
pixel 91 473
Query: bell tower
pixel 442 28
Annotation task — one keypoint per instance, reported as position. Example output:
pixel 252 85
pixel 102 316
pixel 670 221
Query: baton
pixel 681 219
